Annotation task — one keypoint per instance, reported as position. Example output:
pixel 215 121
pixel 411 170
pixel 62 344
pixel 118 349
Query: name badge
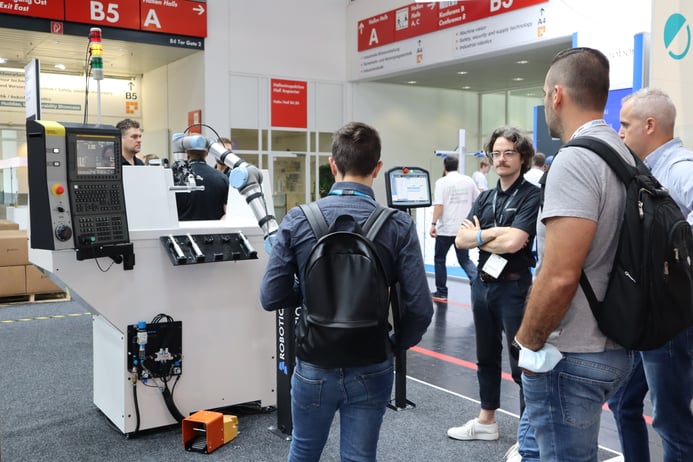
pixel 494 265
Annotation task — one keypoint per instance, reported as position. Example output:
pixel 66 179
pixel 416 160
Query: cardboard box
pixel 37 282
pixel 12 281
pixel 14 248
pixel 8 225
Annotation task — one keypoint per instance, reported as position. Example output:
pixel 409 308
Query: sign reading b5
pixel 111 13
pixel 181 17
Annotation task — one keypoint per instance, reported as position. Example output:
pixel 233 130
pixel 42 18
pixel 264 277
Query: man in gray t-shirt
pixel 570 368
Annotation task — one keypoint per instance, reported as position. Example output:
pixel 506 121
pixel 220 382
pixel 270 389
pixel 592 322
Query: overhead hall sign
pixel 417 19
pixel 181 17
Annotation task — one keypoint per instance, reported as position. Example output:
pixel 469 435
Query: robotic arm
pixel 246 178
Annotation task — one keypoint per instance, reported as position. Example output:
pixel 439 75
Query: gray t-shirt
pixel 580 184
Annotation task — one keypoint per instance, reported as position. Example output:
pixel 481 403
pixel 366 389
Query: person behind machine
pixel 222 167
pixel 131 141
pixel 359 392
pixel 209 204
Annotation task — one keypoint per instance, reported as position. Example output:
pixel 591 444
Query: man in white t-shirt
pixel 454 195
pixel 535 173
pixel 479 176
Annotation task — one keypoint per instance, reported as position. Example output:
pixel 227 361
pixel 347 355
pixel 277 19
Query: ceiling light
pixel 518 79
pixel 466 87
pixel 522 61
pixel 411 82
pixel 3 60
pixel 60 67
pixel 462 72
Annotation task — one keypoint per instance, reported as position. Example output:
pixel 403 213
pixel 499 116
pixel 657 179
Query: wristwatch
pixel 433 224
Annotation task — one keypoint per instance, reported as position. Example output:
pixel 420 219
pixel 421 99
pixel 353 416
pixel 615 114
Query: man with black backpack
pixel 570 368
pixel 647 127
pixel 344 351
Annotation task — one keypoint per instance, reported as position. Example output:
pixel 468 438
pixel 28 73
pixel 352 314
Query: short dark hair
pixel 585 74
pixel 126 124
pixel 356 149
pixel 522 143
pixel 451 163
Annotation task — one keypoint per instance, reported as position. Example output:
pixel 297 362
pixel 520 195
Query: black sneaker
pixel 439 296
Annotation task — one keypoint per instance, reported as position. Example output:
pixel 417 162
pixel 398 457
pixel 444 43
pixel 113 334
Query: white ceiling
pixel 500 71
pixel 488 73
pixel 121 59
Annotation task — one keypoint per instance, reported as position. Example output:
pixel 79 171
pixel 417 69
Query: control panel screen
pixel 95 156
pixel 408 187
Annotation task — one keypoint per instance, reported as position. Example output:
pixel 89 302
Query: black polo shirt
pixel 517 207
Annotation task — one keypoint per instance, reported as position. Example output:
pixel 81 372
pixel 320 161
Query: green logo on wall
pixel 672 31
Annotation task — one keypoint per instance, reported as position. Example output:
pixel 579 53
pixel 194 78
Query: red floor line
pixel 448 302
pixel 472 366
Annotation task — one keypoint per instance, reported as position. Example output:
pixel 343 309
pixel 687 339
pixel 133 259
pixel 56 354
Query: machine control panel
pixel 75 177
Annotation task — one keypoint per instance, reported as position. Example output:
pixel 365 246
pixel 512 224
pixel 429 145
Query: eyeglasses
pixel 507 154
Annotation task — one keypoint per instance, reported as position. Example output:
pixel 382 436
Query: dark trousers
pixel 498 307
pixel 442 246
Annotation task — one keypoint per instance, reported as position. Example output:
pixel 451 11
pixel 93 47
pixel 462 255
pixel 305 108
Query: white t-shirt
pixel 480 180
pixel 533 175
pixel 456 193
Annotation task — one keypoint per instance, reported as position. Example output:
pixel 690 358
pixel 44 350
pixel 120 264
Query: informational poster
pixel 289 103
pixel 64 94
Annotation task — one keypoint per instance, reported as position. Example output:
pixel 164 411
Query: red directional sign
pixel 417 19
pixel 111 13
pixel 182 17
pixel 49 9
pixel 179 17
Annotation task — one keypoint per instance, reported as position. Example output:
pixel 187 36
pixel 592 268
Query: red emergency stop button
pixel 58 189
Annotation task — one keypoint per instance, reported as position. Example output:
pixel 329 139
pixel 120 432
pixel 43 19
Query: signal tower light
pixel 96 53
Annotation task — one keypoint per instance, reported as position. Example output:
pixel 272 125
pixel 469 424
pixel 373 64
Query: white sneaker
pixel 473 430
pixel 512 454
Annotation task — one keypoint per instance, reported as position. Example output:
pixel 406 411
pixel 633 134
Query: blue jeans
pixel 564 406
pixel 440 254
pixel 668 374
pixel 360 394
pixel 497 307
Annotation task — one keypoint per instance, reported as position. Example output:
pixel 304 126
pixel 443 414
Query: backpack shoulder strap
pixel 315 218
pixel 376 220
pixel 624 171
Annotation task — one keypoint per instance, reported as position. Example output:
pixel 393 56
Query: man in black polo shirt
pixel 209 204
pixel 502 224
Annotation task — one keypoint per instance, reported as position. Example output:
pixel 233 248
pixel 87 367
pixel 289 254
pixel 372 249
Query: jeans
pixel 360 394
pixel 497 307
pixel 668 374
pixel 442 246
pixel 627 408
pixel 564 406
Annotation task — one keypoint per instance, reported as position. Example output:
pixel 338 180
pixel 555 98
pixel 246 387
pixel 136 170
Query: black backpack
pixel 649 298
pixel 344 317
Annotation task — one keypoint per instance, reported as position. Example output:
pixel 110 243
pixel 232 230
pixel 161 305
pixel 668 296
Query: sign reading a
pixel 289 103
pixel 182 17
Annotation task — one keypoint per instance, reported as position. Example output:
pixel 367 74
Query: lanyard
pixel 507 203
pixel 347 192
